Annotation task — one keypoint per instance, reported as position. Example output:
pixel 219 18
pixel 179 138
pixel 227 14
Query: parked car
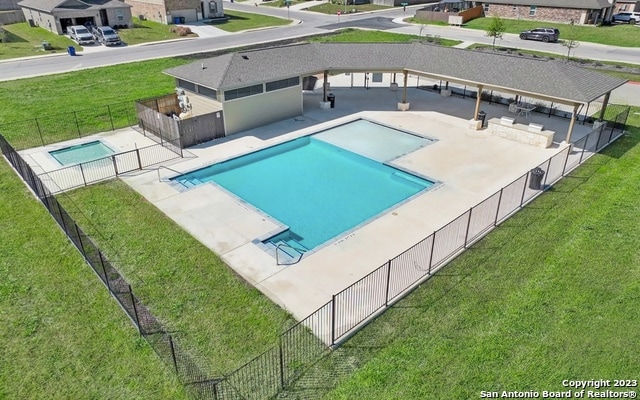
pixel 80 34
pixel 628 17
pixel 106 35
pixel 544 34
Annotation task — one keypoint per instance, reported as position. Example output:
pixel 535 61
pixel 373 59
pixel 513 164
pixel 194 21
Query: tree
pixel 570 43
pixel 496 29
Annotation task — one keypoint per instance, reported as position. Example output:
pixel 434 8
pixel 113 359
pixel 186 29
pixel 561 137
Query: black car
pixel 544 34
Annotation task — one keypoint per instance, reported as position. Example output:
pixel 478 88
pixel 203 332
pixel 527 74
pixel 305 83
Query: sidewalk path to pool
pixel 472 165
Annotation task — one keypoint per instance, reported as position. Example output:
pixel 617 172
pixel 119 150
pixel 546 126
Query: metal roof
pixel 582 4
pixel 557 81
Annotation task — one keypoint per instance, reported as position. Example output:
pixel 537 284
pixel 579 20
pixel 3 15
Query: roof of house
pixel 51 5
pixel 582 4
pixel 554 80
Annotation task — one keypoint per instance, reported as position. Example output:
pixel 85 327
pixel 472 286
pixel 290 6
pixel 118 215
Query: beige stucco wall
pixel 253 111
pixel 201 105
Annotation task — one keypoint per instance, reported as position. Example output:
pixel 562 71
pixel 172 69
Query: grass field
pixel 623 35
pixel 21 40
pixel 185 284
pixel 366 36
pixel 241 21
pixel 550 295
pixel 63 336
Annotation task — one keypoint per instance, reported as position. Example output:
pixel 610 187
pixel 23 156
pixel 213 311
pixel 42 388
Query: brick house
pixel 562 11
pixel 626 5
pixel 176 11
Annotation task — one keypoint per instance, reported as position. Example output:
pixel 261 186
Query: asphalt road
pixel 306 23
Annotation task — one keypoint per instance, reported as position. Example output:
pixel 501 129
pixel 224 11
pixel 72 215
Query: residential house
pixel 563 11
pixel 176 11
pixel 57 15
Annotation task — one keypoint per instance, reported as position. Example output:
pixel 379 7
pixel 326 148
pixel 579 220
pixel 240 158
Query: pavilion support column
pixel 605 103
pixel 404 88
pixel 478 98
pixel 324 85
pixel 572 123
pixel 403 105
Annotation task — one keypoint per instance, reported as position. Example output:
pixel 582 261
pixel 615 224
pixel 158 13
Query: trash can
pixel 176 20
pixel 181 20
pixel 482 116
pixel 332 99
pixel 71 50
pixel 535 178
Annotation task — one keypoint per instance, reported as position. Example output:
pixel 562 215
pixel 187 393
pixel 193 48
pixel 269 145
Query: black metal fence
pixel 85 173
pixel 48 129
pixel 306 342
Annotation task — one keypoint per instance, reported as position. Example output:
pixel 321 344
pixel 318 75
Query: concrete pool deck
pixel 472 165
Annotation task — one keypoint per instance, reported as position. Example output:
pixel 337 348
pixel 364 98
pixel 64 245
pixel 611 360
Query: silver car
pixel 106 35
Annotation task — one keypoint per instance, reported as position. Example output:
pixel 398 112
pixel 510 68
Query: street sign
pixel 404 4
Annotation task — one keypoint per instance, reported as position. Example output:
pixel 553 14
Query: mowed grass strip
pixel 623 35
pixel 241 21
pixel 222 318
pixel 63 336
pixel 551 294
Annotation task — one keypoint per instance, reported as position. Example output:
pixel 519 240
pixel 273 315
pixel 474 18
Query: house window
pixel 242 92
pixel 119 14
pixel 532 11
pixel 283 83
pixel 205 91
pixel 376 77
pixel 186 85
pixel 515 8
pixel 486 8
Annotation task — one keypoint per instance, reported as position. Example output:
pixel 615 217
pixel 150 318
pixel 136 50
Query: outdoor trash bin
pixel 482 116
pixel 535 178
pixel 332 99
pixel 71 50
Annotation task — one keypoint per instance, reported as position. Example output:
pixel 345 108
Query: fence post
pixel 333 319
pixel 281 362
pixel 135 310
pixel 495 222
pixel 544 181
pixel 386 294
pixel 39 130
pixel 110 118
pixel 524 188
pixel 566 160
pixel 81 248
pixel 139 160
pixel 433 245
pixel 551 109
pixel 75 116
pixel 115 164
pixel 64 225
pixel 106 275
pixel 466 234
pixel 586 139
pixel 173 356
pixel 82 173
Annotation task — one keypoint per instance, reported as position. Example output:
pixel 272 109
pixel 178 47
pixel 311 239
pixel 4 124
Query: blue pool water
pixel 317 189
pixel 81 153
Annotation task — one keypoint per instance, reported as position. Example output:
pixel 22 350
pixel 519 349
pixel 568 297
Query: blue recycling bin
pixel 176 20
pixel 71 50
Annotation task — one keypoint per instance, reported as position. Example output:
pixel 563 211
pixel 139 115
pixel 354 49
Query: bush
pixel 181 30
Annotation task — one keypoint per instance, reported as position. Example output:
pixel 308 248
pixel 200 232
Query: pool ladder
pixel 165 167
pixel 296 249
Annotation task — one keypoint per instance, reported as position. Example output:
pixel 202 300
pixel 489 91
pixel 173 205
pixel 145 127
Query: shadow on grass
pixel 10 37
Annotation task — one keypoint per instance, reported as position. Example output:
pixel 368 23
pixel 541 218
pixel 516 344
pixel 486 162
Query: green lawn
pixel 185 284
pixel 623 35
pixel 21 40
pixel 149 31
pixel 241 21
pixel 551 294
pixel 366 36
pixel 63 336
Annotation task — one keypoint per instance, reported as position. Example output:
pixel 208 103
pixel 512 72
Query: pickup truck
pixel 80 34
pixel 106 35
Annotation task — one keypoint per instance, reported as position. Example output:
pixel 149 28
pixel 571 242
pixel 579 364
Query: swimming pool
pixel 316 189
pixel 81 153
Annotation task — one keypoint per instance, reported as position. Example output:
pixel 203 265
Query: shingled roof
pixel 53 5
pixel 581 4
pixel 554 80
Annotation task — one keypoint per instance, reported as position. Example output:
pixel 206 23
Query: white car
pixel 627 16
pixel 80 34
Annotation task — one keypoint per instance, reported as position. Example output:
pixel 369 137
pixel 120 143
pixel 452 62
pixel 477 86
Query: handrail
pixel 300 251
pixel 170 169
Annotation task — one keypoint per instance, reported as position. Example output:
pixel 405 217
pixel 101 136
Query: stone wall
pixel 551 14
pixel 153 11
pixel 521 133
